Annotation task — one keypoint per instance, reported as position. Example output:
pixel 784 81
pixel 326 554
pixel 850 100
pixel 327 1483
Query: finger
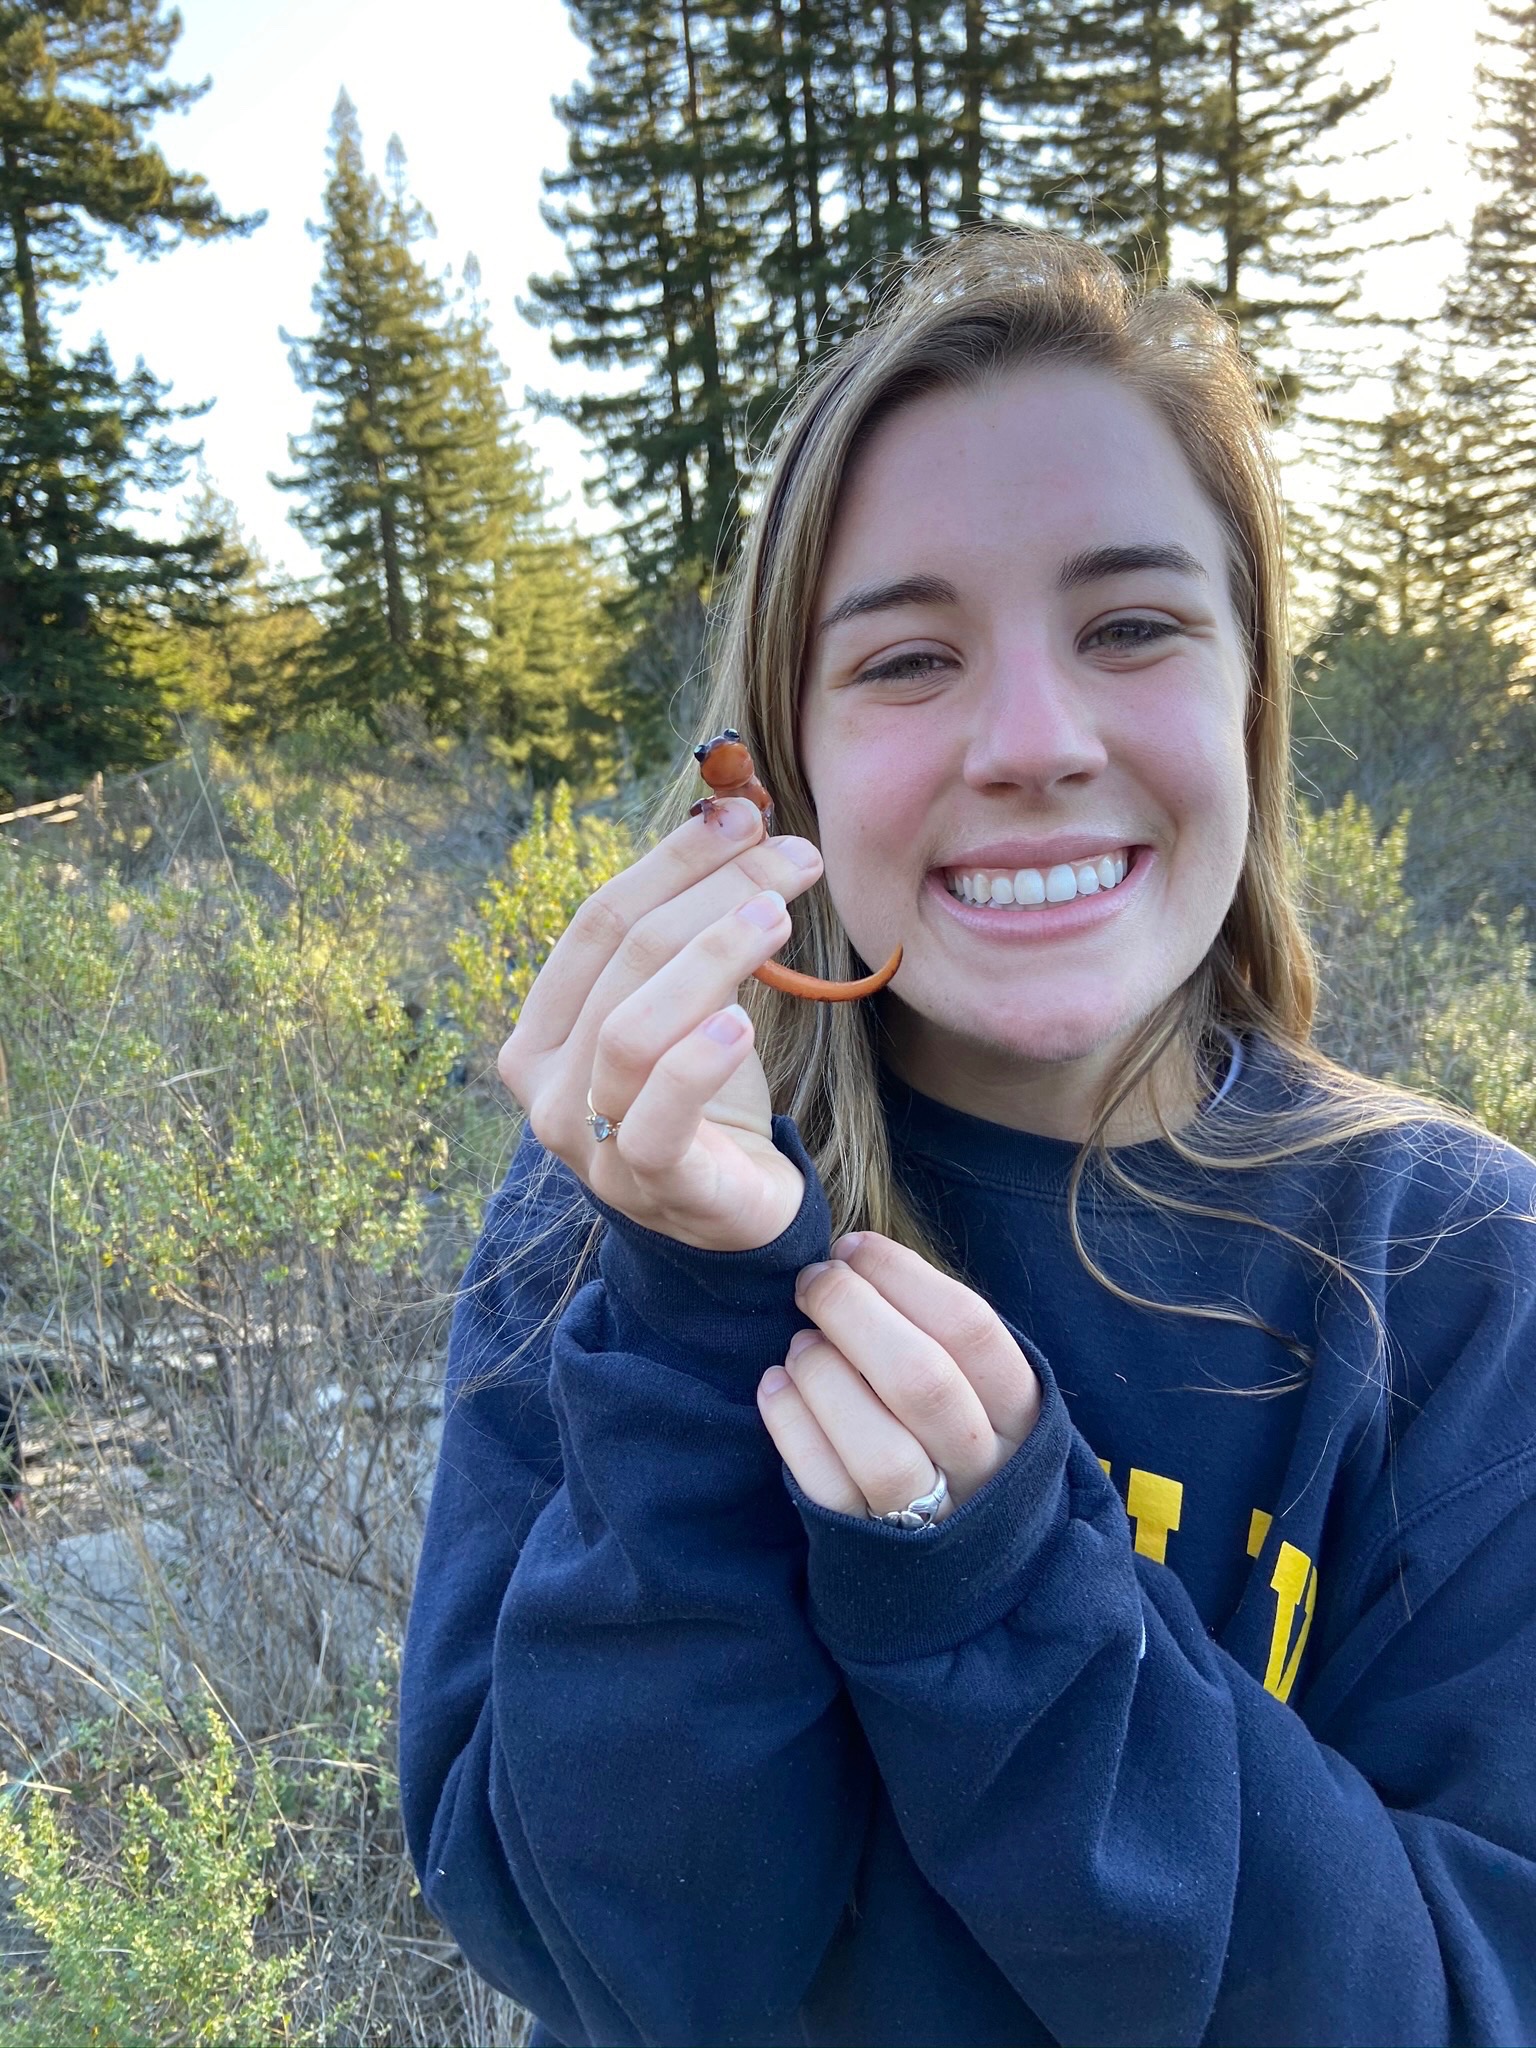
pixel 954 1315
pixel 886 1462
pixel 661 1125
pixel 698 849
pixel 676 1000
pixel 802 1443
pixel 912 1374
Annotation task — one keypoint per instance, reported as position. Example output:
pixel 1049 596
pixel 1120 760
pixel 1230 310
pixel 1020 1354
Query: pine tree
pixel 382 478
pixel 1491 315
pixel 80 88
pixel 655 257
pixel 1407 527
pixel 545 643
pixel 1130 84
pixel 1279 244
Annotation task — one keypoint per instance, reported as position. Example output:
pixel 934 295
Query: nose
pixel 1036 727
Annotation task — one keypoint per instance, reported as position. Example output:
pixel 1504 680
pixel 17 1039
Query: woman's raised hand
pixel 636 1006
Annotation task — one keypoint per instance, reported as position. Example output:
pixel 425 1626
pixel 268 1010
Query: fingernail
pixel 774 1380
pixel 847 1245
pixel 801 852
pixel 765 911
pixel 726 1027
pixel 808 1273
pixel 799 1341
pixel 737 818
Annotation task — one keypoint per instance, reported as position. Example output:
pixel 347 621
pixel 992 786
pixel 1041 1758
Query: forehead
pixel 1059 456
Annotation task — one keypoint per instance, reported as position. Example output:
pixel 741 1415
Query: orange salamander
pixel 726 766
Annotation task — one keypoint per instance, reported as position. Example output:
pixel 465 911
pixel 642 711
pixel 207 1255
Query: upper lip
pixel 1037 853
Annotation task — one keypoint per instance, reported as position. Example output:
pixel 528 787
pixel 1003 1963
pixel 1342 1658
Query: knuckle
pixel 832 1288
pixel 928 1389
pixel 542 1126
pixel 972 1325
pixel 647 948
pixel 599 922
pixel 509 1065
pixel 615 1043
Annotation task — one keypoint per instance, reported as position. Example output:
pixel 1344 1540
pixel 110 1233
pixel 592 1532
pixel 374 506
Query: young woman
pixel 1003 1513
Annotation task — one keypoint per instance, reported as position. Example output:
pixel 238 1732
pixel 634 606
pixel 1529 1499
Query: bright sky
pixel 468 87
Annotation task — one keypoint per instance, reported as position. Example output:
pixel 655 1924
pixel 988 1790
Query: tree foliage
pixel 449 587
pixel 80 88
pixel 743 181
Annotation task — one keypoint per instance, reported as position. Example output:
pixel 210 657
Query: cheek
pixel 871 800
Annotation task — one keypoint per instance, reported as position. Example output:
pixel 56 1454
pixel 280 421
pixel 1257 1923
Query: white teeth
pixel 1029 887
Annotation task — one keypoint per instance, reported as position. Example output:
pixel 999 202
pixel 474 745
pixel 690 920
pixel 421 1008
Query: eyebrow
pixel 1094 565
pixel 885 597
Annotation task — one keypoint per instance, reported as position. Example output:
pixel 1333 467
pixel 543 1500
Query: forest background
pixel 282 845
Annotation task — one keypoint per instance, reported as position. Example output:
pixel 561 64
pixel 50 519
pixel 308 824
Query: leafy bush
pixel 1450 1010
pixel 154 1940
pixel 551 871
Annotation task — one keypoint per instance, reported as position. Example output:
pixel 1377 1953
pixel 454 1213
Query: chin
pixel 1052 1035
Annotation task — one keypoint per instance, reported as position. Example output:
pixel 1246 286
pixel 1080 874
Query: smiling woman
pixel 850 1610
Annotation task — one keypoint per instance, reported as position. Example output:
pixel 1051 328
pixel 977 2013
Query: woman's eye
pixel 902 668
pixel 1126 636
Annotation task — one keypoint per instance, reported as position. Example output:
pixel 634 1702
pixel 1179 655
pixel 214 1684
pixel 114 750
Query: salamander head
pixel 723 761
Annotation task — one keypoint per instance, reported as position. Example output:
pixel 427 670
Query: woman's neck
pixel 1049 1098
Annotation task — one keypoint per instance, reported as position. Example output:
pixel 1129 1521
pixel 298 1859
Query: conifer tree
pixel 1130 86
pixel 1491 315
pixel 1279 243
pixel 655 256
pixel 1407 531
pixel 544 641
pixel 378 478
pixel 80 88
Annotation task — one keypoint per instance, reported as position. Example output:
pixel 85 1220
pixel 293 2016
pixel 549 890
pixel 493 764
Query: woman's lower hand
pixel 635 1008
pixel 908 1373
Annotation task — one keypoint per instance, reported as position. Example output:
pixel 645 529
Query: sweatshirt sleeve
pixel 634 1787
pixel 1148 1844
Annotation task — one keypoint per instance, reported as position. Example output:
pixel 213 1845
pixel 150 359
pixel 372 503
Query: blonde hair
pixel 985 303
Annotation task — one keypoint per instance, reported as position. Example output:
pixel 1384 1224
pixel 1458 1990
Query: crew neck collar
pixel 982 1150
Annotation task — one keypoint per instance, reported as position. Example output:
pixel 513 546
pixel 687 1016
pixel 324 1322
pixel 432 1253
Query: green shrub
pixel 551 871
pixel 153 1940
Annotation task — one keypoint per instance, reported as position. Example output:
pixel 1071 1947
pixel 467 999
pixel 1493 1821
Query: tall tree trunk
pixel 720 469
pixel 892 153
pixel 396 617
pixel 1231 228
pixel 921 163
pixel 59 523
pixel 783 114
pixel 969 208
pixel 805 49
pixel 1154 21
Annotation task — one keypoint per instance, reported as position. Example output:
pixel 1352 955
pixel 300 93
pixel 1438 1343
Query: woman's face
pixel 1022 727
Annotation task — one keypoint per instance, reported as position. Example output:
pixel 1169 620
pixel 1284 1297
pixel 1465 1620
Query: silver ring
pixel 920 1513
pixel 602 1126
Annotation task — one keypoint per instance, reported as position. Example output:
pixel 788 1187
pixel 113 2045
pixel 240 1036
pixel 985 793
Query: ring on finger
pixel 602 1126
pixel 921 1513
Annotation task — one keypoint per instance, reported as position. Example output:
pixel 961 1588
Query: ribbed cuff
pixel 723 1316
pixel 879 1594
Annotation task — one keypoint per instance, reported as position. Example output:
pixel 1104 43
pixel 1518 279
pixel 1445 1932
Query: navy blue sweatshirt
pixel 1209 1718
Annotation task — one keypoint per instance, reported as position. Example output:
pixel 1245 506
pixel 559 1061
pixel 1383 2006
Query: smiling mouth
pixel 1035 888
